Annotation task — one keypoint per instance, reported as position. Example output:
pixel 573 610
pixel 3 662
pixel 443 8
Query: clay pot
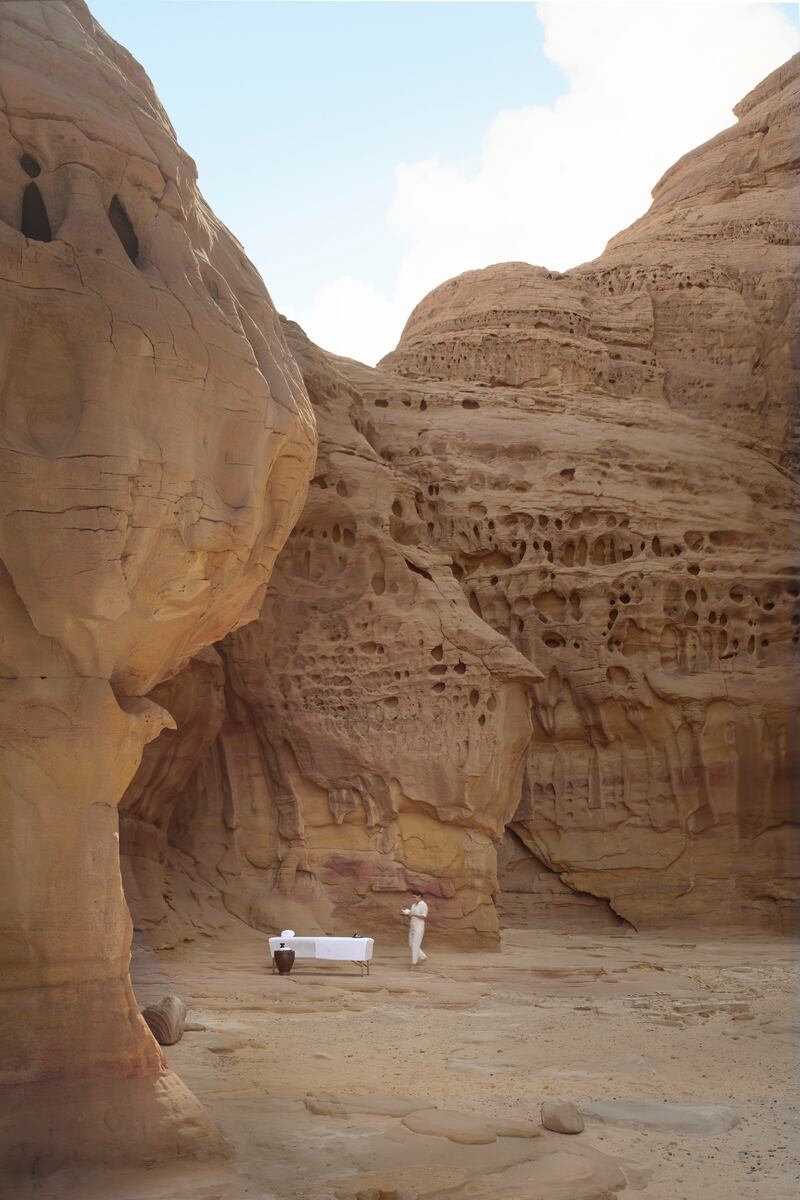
pixel 284 960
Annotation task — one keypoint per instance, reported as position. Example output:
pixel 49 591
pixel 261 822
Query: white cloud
pixel 646 83
pixel 350 317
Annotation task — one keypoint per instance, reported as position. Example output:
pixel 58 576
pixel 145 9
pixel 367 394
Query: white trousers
pixel 416 932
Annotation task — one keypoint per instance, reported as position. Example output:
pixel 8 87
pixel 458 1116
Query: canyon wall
pixel 547 582
pixel 155 446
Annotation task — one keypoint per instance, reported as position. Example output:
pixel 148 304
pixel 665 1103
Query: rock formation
pixel 661 594
pixel 545 581
pixel 155 445
pixel 166 1020
pixel 403 720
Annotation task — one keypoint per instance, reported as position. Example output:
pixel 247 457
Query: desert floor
pixel 586 1017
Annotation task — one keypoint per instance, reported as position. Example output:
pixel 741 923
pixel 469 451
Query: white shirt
pixel 418 909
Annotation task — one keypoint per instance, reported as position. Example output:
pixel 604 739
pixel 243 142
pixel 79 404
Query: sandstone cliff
pixel 155 445
pixel 545 581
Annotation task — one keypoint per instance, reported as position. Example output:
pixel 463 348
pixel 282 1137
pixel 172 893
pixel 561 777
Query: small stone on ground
pixel 561 1116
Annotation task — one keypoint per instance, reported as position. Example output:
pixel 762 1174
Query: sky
pixel 365 152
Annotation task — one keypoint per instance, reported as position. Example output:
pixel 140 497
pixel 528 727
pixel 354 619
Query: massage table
pixel 357 950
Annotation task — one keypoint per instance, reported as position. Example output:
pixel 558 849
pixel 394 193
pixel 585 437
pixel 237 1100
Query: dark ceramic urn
pixel 284 960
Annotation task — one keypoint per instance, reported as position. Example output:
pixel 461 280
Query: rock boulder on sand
pixel 166 1020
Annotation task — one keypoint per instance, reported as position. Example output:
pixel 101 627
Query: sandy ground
pixel 552 1016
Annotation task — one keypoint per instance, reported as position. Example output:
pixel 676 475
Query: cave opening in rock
pixel 533 895
pixel 34 222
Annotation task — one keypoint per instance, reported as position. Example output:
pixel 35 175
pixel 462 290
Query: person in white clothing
pixel 416 931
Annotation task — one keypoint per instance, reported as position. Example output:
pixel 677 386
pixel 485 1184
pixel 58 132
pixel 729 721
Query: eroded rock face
pixel 155 442
pixel 621 547
pixel 657 588
pixel 533 895
pixel 376 726
pixel 545 580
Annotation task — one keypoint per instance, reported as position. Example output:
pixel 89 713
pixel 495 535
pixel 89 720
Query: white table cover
pixel 344 949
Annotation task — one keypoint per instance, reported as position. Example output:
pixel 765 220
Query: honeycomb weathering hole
pixel 30 166
pixel 35 223
pixel 123 227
